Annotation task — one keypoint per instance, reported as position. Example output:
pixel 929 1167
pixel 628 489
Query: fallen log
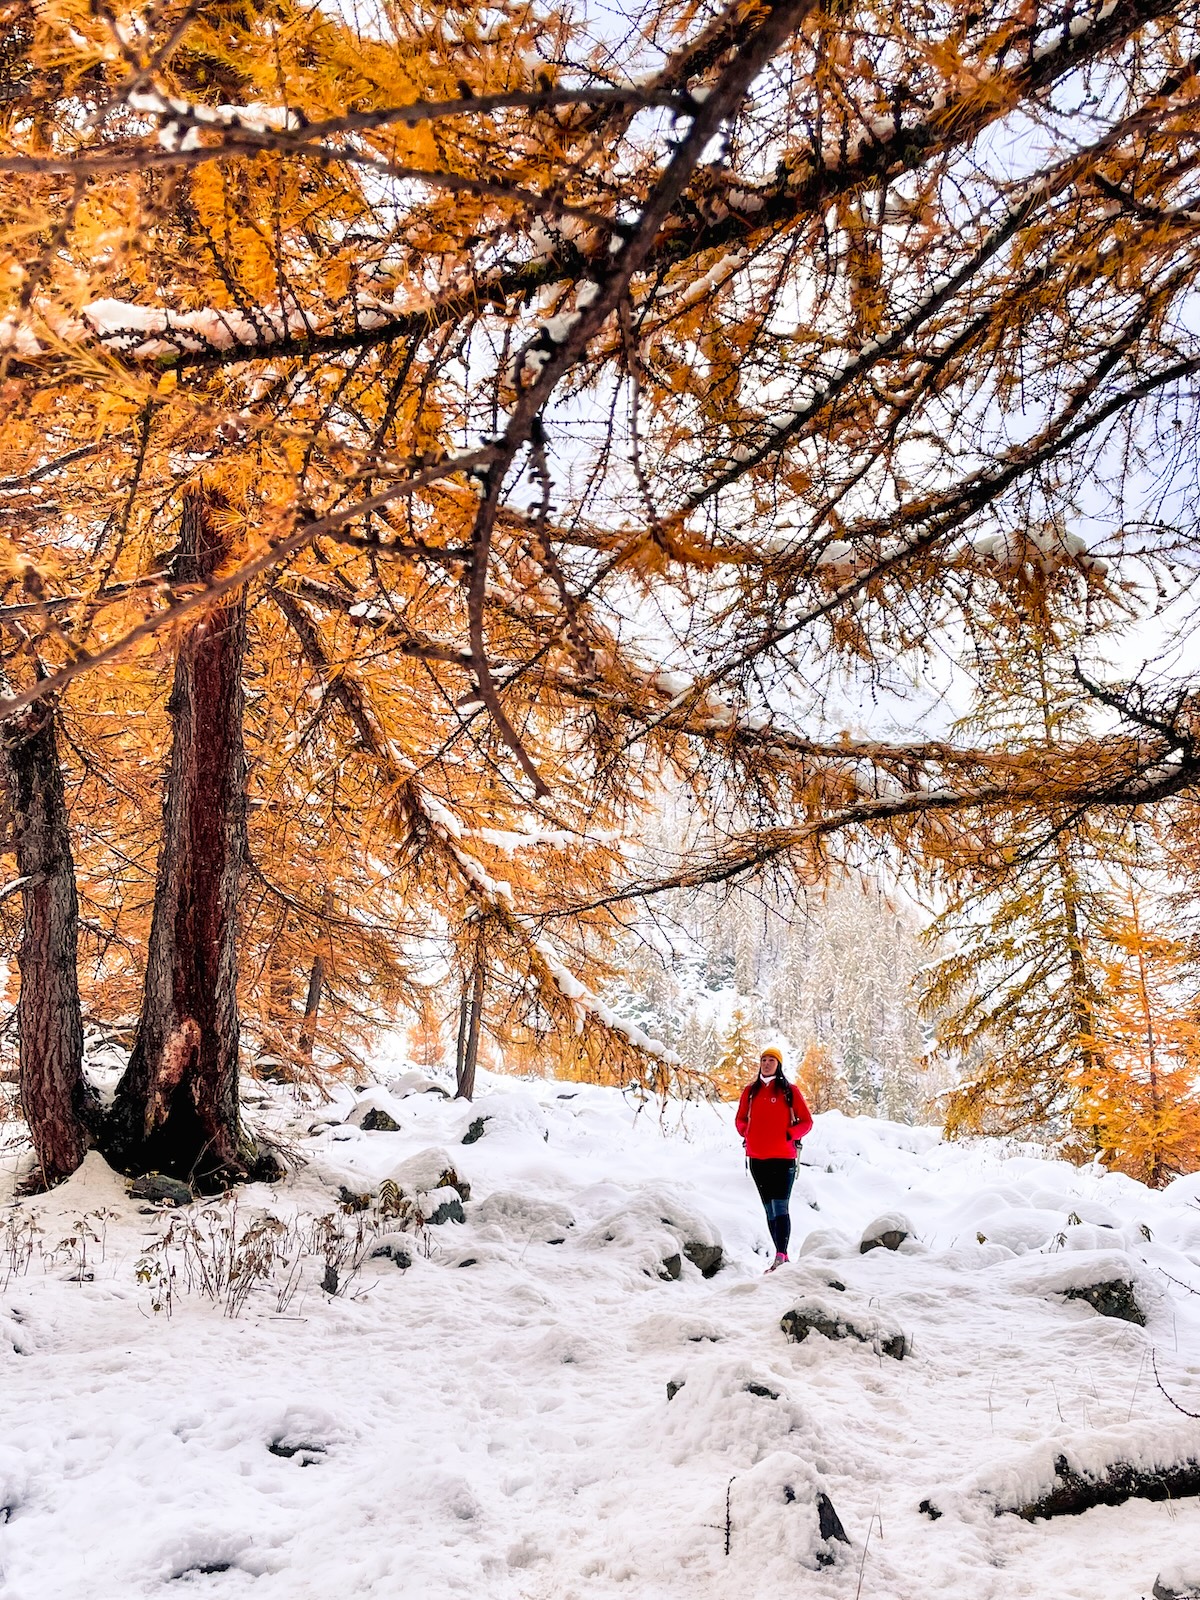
pixel 1075 1492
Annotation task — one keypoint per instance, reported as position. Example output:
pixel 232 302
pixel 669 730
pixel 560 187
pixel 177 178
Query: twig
pixel 1133 1397
pixel 1195 1415
pixel 1177 1281
pixel 862 1565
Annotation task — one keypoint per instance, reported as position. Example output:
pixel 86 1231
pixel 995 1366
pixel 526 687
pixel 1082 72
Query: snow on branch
pixel 497 894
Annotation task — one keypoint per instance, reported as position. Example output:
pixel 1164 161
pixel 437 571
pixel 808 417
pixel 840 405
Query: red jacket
pixel 770 1127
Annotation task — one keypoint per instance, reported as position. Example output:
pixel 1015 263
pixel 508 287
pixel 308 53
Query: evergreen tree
pixel 739 1058
pixel 824 1086
pixel 1140 1089
pixel 1016 998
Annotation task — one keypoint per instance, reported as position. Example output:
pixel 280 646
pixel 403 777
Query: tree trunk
pixel 176 1107
pixel 50 1026
pixel 464 1026
pixel 466 1065
pixel 316 984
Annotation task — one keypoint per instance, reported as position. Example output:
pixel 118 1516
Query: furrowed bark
pixel 53 1090
pixel 176 1108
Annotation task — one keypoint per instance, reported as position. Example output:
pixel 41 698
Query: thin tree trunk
pixel 1082 991
pixel 466 1076
pixel 316 984
pixel 176 1107
pixel 1156 1176
pixel 464 1027
pixel 50 1026
pixel 280 982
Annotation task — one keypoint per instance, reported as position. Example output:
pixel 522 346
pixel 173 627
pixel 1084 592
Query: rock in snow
pixel 838 1322
pixel 1180 1582
pixel 158 1187
pixel 887 1232
pixel 1115 1298
pixel 377 1120
pixel 428 1170
pixel 443 1204
pixel 375 1110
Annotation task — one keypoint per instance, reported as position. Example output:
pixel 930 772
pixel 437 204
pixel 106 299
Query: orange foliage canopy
pixel 570 400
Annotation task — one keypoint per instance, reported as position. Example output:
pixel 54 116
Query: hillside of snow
pixel 492 1419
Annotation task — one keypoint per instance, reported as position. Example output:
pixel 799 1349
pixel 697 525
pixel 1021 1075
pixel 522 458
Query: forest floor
pixel 492 1421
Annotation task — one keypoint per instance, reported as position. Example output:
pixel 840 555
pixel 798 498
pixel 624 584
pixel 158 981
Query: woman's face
pixel 768 1066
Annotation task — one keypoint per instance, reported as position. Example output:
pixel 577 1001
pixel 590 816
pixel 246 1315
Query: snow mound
pixel 1021 1230
pixel 410 1083
pixel 656 1230
pixel 828 1244
pixel 375 1099
pixel 14 1482
pixel 428 1170
pixel 665 1331
pixel 92 1187
pixel 512 1119
pixel 721 1411
pixel 1069 1273
pixel 507 1215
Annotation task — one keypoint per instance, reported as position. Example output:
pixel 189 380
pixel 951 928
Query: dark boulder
pixel 1113 1299
pixel 803 1320
pixel 392 1248
pixel 378 1121
pixel 162 1190
pixel 1172 1586
pixel 829 1525
pixel 708 1258
pixel 441 1206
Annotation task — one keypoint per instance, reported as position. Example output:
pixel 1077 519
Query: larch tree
pixel 1023 920
pixel 1139 1086
pixel 739 1058
pixel 578 402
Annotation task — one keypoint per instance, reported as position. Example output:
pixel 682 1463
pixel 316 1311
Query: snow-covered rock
pixel 409 1083
pixel 659 1231
pixel 1111 1282
pixel 827 1243
pixel 376 1110
pixel 428 1170
pixel 441 1205
pixel 509 1215
pixel 887 1232
pixel 844 1317
pixel 1019 1479
pixel 1180 1581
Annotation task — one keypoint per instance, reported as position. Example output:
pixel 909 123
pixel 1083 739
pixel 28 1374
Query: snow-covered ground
pixel 493 1421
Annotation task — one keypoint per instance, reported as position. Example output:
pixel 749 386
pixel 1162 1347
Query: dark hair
pixel 780 1080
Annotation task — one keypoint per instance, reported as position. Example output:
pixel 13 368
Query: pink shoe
pixel 779 1261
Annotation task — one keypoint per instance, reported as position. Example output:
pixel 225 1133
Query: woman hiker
pixel 772 1118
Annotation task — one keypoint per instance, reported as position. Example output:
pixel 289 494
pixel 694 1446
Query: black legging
pixel 774 1180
